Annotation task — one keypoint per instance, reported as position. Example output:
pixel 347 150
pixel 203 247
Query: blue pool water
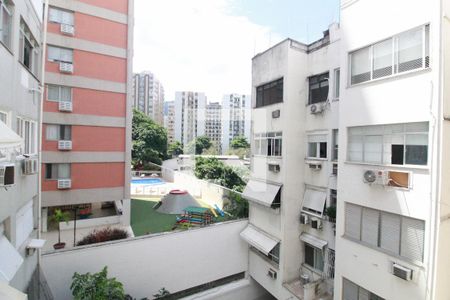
pixel 150 181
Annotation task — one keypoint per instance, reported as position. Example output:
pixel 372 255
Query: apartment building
pixel 148 96
pixel 190 114
pixel 293 187
pixel 20 62
pixel 169 120
pixel 213 124
pixel 86 142
pixel 236 118
pixel 390 129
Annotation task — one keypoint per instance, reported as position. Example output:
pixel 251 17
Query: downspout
pixel 40 117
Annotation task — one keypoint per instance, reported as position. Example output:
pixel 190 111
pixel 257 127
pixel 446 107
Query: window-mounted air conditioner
pixel 402 272
pixel 316 223
pixel 273 166
pixel 314 165
pixel 316 108
pixel 64 145
pixel 65 106
pixel 65 67
pixel 30 166
pixel 64 184
pixel 67 29
pixel 304 219
pixel 6 175
pixel 272 273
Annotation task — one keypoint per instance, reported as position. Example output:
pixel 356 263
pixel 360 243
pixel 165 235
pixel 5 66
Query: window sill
pixel 268 105
pixel 266 156
pixel 391 254
pixel 394 76
pixel 402 167
pixel 315 159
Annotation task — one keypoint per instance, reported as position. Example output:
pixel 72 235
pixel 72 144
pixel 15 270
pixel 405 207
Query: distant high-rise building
pixel 213 124
pixel 169 120
pixel 148 96
pixel 236 118
pixel 190 110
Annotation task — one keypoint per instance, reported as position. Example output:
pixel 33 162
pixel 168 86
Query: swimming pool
pixel 149 181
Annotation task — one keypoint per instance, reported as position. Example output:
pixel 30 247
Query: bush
pixel 96 286
pixel 331 212
pixel 103 235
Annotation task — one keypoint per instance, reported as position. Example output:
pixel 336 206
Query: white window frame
pixel 26 35
pixel 336 83
pixel 317 252
pixel 378 246
pixel 385 139
pixel 4 8
pixel 6 117
pixel 360 292
pixel 59 58
pixel 268 137
pixel 317 146
pixel 56 171
pixel 394 39
pixel 58 18
pixel 30 140
pixel 59 87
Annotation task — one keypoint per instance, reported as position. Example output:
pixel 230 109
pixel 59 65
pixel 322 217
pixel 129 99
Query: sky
pixel 207 45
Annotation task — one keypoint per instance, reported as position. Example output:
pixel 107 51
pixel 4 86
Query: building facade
pixel 20 61
pixel 169 120
pixel 86 142
pixel 213 124
pixel 148 96
pixel 236 118
pixel 190 114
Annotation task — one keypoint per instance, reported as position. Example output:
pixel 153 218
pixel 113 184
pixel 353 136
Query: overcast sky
pixel 207 45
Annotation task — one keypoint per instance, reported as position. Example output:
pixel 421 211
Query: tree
pixel 212 169
pixel 200 143
pixel 175 149
pixel 239 142
pixel 149 141
pixel 58 217
pixel 96 286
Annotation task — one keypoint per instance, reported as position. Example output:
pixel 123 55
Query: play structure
pixel 175 202
pixel 195 216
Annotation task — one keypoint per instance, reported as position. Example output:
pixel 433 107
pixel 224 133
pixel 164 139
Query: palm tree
pixel 60 216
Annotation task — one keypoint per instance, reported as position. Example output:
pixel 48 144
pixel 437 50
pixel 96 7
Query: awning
pixel 261 192
pixel 314 202
pixel 312 240
pixel 10 293
pixel 9 140
pixel 258 239
pixel 10 260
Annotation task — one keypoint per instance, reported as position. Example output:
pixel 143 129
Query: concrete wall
pixel 176 261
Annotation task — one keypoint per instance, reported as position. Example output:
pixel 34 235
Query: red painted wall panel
pixel 93 102
pixel 96 66
pixel 92 176
pixel 115 5
pixel 91 138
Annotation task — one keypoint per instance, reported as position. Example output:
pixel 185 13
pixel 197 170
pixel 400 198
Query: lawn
pixel 146 220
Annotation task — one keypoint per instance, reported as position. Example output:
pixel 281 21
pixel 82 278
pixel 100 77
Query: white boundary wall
pixel 176 261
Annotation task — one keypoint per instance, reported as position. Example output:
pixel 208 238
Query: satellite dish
pixel 370 176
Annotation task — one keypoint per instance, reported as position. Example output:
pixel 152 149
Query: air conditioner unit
pixel 314 165
pixel 273 166
pixel 276 114
pixel 65 67
pixel 30 166
pixel 379 177
pixel 67 29
pixel 65 106
pixel 402 272
pixel 272 274
pixel 6 175
pixel 316 223
pixel 64 145
pixel 304 219
pixel 64 184
pixel 316 109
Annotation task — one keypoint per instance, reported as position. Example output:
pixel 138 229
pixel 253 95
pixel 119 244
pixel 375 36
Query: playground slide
pixel 219 211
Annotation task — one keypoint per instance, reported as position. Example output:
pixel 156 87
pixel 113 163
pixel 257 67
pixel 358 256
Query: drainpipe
pixel 41 110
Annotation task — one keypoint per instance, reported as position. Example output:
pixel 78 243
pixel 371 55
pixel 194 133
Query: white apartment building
pixel 169 120
pixel 148 96
pixel 190 114
pixel 20 86
pixel 213 124
pixel 293 188
pixel 236 118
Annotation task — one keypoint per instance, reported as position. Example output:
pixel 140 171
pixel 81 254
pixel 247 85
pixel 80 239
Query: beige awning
pixel 9 140
pixel 259 239
pixel 261 192
pixel 314 202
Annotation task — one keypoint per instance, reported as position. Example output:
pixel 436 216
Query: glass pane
pixel 312 149
pixel 66 94
pixel 350 290
pixel 323 150
pixel 33 138
pixel 373 148
pixel 53 93
pixel 27 137
pixel 318 259
pixel 309 255
pixel 416 149
pixel 337 82
pixel 390 232
pixel 6 27
pixel 66 55
pixel 355 148
pixel 63 171
pixel 53 53
pixel 52 132
pixel 67 18
pixel 360 66
pixel 382 59
pixel 410 50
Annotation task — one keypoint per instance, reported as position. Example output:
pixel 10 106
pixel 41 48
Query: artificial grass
pixel 146 220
